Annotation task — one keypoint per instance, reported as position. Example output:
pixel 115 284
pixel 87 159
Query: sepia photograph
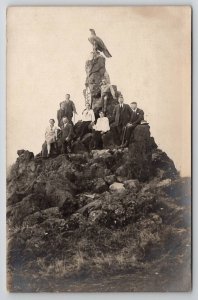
pixel 98 139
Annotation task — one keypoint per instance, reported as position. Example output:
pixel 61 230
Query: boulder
pixel 160 161
pixel 163 183
pixel 99 186
pixel 132 184
pixel 78 147
pixel 117 187
pixel 110 179
pixel 25 155
pixel 30 204
pixel 95 70
pixel 93 205
pixel 123 170
pixel 104 154
pixel 95 216
pixel 140 154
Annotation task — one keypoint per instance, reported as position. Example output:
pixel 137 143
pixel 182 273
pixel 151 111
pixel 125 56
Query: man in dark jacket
pixel 121 116
pixel 67 135
pixel 60 114
pixel 69 107
pixel 137 115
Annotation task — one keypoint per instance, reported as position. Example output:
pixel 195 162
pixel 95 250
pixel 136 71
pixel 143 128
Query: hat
pixel 144 122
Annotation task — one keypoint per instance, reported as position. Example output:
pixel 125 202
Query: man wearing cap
pixel 137 116
pixel 122 116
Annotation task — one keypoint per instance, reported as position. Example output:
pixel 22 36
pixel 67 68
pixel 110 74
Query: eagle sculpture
pixel 98 44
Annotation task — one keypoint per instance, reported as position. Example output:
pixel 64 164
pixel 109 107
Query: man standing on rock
pixel 137 115
pixel 70 108
pixel 121 116
pixel 60 114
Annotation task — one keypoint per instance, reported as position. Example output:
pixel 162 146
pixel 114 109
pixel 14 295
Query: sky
pixel 47 48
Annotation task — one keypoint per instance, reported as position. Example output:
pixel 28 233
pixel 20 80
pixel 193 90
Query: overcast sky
pixel 46 53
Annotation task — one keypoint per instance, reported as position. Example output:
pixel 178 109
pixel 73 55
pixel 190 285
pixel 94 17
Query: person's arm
pixel 56 132
pixel 114 113
pixel 74 108
pixel 58 115
pixel 95 127
pixel 93 118
pixel 130 114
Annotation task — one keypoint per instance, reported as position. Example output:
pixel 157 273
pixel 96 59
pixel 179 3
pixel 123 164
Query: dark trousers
pixel 65 146
pixel 129 133
pixel 118 134
pixel 97 138
pixel 82 128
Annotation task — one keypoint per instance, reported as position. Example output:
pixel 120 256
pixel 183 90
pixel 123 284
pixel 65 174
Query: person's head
pixel 120 99
pixel 65 120
pixel 62 105
pixel 67 97
pixel 88 106
pixel 52 122
pixel 101 114
pixel 133 105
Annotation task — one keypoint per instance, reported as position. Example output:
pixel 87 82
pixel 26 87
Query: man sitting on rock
pixel 99 129
pixel 67 135
pixel 137 115
pixel 106 88
pixel 85 124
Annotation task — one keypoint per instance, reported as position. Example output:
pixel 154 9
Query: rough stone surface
pixel 96 212
pixel 117 187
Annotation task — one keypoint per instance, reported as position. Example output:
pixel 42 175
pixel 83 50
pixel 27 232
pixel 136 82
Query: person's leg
pixel 115 133
pixel 63 146
pixel 120 132
pixel 129 135
pixel 105 105
pixel 100 141
pixel 48 148
pixel 126 135
pixel 84 129
pixel 95 139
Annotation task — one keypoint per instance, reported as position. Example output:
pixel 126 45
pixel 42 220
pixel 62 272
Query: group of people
pixel 124 119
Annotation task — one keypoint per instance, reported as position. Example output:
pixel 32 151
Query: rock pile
pixel 95 213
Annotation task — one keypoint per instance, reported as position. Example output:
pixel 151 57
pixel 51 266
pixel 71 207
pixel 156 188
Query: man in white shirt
pixel 99 129
pixel 84 126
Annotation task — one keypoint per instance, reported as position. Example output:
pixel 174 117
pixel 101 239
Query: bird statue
pixel 98 44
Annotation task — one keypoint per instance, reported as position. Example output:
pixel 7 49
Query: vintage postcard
pixel 99 149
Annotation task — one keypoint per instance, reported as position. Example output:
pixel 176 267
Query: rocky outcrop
pixel 94 213
pixel 95 70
